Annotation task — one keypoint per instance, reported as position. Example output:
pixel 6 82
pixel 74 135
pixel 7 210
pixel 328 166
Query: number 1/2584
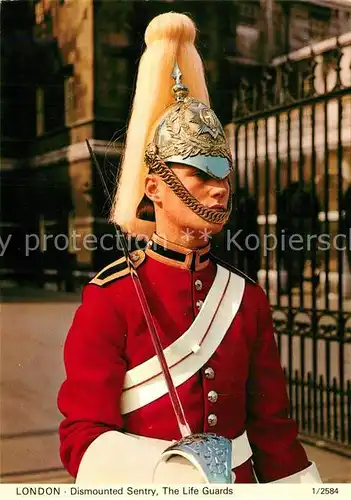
pixel 325 491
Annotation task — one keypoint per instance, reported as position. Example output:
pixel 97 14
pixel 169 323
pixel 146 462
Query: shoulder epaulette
pixel 117 269
pixel 233 269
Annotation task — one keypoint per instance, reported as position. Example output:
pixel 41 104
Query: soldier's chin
pixel 215 228
pixel 208 228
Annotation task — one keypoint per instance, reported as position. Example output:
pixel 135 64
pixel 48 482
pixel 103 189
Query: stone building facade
pixel 68 74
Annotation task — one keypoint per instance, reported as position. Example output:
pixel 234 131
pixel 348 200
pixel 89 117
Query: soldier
pixel 214 324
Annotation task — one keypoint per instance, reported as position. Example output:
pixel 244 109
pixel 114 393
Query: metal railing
pixel 292 151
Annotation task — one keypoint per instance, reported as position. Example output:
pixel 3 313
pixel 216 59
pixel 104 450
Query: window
pixel 50 107
pixel 54 105
pixel 69 101
pixel 278 36
pixel 39 13
pixel 247 41
pixel 318 29
pixel 319 21
pixel 40 111
pixel 248 12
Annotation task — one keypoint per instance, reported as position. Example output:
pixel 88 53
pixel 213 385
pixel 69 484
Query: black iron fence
pixel 291 225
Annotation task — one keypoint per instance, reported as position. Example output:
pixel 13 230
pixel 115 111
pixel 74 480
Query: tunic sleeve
pixel 272 434
pixel 95 369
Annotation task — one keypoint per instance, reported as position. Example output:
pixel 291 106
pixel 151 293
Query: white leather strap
pixel 185 343
pixel 189 353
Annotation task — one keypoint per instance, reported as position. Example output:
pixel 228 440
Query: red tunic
pixel 109 336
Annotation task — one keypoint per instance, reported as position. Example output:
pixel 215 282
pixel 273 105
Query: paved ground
pixel 32 336
pixel 332 468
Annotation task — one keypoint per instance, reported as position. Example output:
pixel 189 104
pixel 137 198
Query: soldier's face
pixel 213 193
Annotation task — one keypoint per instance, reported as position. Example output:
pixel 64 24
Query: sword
pixel 183 425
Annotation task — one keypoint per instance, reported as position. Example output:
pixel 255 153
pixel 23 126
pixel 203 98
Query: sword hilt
pixel 209 453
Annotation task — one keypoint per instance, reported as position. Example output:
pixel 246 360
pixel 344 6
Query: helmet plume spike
pixel 180 90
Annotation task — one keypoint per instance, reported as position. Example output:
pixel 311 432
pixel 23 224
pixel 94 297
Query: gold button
pixel 212 396
pixel 212 420
pixel 199 304
pixel 209 373
pixel 134 257
pixel 198 285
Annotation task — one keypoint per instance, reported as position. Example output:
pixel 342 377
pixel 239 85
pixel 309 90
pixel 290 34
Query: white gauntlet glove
pixel 117 458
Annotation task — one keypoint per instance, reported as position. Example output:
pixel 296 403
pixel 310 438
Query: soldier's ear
pixel 146 210
pixel 152 188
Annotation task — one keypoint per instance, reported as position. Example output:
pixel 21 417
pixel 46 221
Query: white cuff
pixel 308 475
pixel 117 458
